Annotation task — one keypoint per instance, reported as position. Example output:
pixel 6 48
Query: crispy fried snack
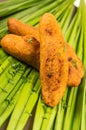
pixel 17 27
pixel 59 68
pixel 74 75
pixel 53 60
pixel 76 70
pixel 24 48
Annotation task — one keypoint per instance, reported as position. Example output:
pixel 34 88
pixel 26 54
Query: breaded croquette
pixel 24 48
pixel 76 70
pixel 53 60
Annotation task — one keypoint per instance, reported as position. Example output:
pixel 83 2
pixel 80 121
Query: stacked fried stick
pixel 47 115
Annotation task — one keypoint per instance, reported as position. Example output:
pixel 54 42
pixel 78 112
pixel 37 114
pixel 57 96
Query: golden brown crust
pixel 22 48
pixel 53 61
pixel 76 70
pixel 15 26
pixel 74 77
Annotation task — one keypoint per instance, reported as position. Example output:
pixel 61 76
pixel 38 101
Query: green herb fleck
pixel 30 40
pixel 75 63
pixel 58 53
pixel 64 49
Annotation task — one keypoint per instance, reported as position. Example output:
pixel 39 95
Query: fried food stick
pixel 24 48
pixel 76 70
pixel 17 27
pixel 75 73
pixel 53 60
